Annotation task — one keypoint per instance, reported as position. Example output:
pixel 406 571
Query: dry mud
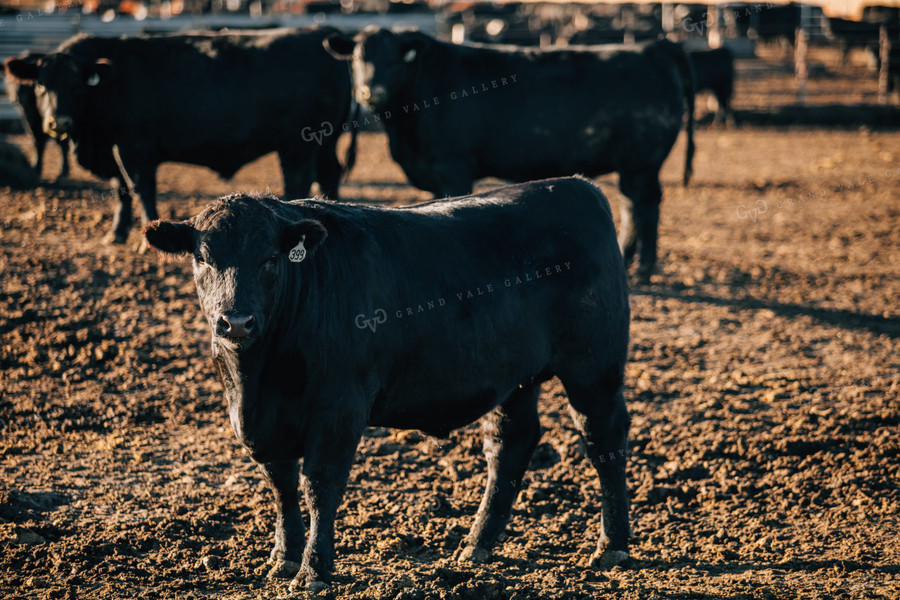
pixel 764 385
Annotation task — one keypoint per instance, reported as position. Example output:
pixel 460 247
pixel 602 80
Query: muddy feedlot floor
pixel 763 385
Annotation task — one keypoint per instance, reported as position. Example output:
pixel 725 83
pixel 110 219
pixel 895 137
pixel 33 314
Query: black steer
pixel 779 23
pixel 215 100
pixel 329 317
pixel 21 94
pixel 456 113
pixel 894 70
pixel 714 72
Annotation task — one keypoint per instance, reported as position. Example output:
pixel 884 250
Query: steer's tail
pixel 350 157
pixel 686 69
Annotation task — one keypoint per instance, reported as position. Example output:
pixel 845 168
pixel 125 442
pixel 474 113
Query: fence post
pixel 884 57
pixel 458 33
pixel 801 67
pixel 668 18
pixel 713 26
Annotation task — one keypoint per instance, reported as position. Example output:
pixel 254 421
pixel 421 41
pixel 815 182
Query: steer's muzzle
pixel 58 127
pixel 236 327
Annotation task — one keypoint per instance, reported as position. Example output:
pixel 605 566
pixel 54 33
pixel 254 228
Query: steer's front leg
pixel 283 478
pixel 326 465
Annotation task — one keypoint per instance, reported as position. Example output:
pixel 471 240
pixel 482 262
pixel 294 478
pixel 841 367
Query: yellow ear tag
pixel 298 252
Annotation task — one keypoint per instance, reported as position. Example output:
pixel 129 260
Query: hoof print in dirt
pixel 283 569
pixel 472 554
pixel 608 559
pixel 211 563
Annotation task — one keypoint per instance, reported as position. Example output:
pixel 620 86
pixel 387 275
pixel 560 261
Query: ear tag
pixel 298 252
pixel 93 80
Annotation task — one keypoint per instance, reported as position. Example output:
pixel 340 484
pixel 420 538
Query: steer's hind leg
pixel 600 415
pixel 123 216
pixel 40 144
pixel 451 178
pixel 627 235
pixel 298 168
pixel 646 194
pixel 64 147
pixel 511 431
pixel 328 169
pixel 138 174
pixel 283 477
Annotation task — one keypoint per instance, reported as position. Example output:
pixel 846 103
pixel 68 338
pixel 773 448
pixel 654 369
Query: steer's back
pixel 186 95
pixel 485 293
pixel 585 109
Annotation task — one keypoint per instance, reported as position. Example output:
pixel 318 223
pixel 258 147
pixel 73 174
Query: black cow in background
pixel 327 318
pixel 860 34
pixel 779 23
pixel 457 113
pixel 894 69
pixel 21 94
pixel 714 72
pixel 215 100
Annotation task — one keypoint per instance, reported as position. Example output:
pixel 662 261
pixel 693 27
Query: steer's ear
pixel 308 231
pixel 24 70
pixel 99 72
pixel 339 45
pixel 173 238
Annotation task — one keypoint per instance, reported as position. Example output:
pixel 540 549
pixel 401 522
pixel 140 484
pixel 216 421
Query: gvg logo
pixel 760 208
pixel 477 293
pixel 372 322
pixel 309 134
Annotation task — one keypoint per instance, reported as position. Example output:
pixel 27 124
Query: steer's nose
pixel 235 326
pixel 63 124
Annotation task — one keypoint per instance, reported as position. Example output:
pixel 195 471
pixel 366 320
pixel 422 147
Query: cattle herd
pixel 301 381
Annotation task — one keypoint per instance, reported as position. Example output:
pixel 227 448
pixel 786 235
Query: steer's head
pixel 62 83
pixel 14 83
pixel 381 60
pixel 242 253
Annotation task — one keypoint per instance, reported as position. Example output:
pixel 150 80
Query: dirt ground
pixel 764 386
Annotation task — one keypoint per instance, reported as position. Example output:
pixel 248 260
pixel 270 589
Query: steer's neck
pixel 239 373
pixel 266 390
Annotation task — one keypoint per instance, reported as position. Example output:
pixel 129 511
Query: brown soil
pixel 764 387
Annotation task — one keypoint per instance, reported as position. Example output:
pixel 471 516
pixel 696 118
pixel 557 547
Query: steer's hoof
pixel 642 277
pixel 283 569
pixel 115 238
pixel 608 559
pixel 312 587
pixel 473 554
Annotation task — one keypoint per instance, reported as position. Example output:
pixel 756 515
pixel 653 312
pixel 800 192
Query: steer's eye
pixel 198 258
pixel 270 262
